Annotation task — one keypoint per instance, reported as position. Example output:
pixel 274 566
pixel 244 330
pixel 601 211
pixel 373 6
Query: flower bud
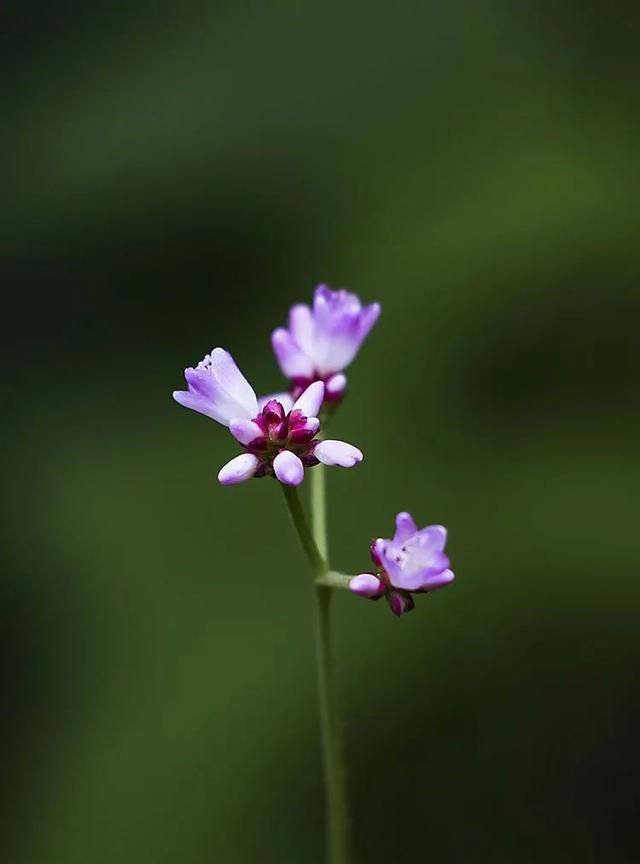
pixel 367 585
pixel 400 602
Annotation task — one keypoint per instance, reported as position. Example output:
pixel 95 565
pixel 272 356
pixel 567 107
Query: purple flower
pixel 278 440
pixel 320 342
pixel 412 562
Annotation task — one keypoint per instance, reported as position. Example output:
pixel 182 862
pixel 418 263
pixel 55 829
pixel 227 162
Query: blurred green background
pixel 173 176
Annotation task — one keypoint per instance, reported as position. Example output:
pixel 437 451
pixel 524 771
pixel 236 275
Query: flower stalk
pixel 315 545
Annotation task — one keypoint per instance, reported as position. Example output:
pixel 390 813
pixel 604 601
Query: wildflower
pixel 412 562
pixel 278 441
pixel 321 342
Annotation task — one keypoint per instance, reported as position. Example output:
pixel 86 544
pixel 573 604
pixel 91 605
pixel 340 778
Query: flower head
pixel 413 561
pixel 321 341
pixel 278 440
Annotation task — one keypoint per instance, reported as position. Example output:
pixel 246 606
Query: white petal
pixel 288 468
pixel 311 400
pixel 338 453
pixel 238 470
pixel 231 378
pixel 285 399
pixel 245 431
pixel 301 327
pixel 336 385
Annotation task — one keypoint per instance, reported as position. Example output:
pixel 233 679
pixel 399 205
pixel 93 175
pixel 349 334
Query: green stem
pixel 319 511
pixel 336 799
pixel 300 523
pixel 315 546
pixel 335 579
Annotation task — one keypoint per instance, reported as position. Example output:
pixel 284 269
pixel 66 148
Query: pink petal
pixel 285 399
pixel 304 432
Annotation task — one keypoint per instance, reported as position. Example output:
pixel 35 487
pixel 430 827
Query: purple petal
pixel 285 399
pixel 196 402
pixel 207 397
pixel 410 572
pixel 238 470
pixel 337 453
pixel 324 312
pixel 288 468
pixel 323 294
pixel 366 585
pixel 432 583
pixel 292 360
pixel 218 389
pixel 434 536
pixel 368 318
pixel 245 431
pixel 341 324
pixel 328 303
pixel 343 341
pixel 405 527
pixel 311 400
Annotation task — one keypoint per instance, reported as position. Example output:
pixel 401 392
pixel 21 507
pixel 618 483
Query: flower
pixel 320 343
pixel 278 440
pixel 412 562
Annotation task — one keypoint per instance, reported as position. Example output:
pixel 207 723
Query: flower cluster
pixel 412 562
pixel 321 341
pixel 279 434
pixel 277 442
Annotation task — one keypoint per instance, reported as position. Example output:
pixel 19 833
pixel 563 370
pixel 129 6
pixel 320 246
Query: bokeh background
pixel 173 176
